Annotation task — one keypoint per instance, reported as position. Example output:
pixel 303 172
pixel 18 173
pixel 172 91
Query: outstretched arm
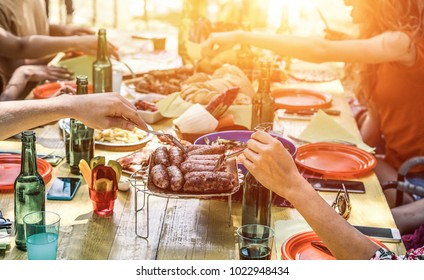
pixel 99 111
pixel 37 46
pixel 386 47
pixel 272 165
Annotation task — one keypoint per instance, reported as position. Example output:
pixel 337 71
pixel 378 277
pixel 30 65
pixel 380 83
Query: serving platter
pixel 65 124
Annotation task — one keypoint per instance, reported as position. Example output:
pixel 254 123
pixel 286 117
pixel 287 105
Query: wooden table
pixel 179 228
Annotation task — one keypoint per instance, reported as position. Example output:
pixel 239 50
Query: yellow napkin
pixel 174 106
pixel 287 228
pixel 324 128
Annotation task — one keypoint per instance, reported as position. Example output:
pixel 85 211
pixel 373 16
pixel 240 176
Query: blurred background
pixel 297 16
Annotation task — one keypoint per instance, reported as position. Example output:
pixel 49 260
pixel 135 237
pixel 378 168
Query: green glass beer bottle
pixel 256 202
pixel 263 101
pixel 102 66
pixel 29 187
pixel 81 139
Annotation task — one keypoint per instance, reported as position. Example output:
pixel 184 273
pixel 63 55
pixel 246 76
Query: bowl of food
pixel 235 140
pixel 147 110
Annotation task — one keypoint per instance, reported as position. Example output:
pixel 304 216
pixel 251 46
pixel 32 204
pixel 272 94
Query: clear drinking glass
pixel 255 242
pixel 42 234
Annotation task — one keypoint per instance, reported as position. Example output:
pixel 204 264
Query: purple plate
pixel 243 136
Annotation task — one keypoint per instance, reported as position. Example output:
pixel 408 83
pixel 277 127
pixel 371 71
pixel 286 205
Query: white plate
pixel 65 123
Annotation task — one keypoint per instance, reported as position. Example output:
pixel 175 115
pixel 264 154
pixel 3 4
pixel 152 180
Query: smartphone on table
pixel 335 185
pixel 381 234
pixel 63 188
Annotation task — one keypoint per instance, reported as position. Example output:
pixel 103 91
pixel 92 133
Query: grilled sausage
pixel 161 156
pixel 176 177
pixel 205 157
pixel 160 176
pixel 176 156
pixel 193 147
pixel 191 166
pixel 208 182
pixel 208 150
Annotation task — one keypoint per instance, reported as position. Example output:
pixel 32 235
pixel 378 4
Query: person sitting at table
pixel 390 49
pixel 27 18
pixel 99 111
pixel 11 46
pixel 270 163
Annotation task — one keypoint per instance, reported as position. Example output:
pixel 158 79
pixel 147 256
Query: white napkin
pixel 287 228
pixel 324 128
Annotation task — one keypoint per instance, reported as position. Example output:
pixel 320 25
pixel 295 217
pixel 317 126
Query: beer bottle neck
pixel 29 154
pixel 102 52
pixel 82 85
pixel 265 80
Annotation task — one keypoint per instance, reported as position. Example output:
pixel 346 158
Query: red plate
pixel 335 160
pixel 10 166
pixel 298 247
pixel 301 99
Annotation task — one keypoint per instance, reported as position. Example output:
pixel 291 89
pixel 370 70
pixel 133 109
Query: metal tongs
pixel 170 137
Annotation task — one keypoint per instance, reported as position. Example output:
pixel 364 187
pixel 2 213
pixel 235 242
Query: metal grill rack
pixel 139 181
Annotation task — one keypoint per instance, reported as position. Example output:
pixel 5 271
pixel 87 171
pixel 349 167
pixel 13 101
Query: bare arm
pixel 409 216
pixel 99 111
pixel 370 130
pixel 386 47
pixel 272 165
pixel 38 46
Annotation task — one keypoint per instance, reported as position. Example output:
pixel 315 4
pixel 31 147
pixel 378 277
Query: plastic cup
pixel 103 201
pixel 117 72
pixel 255 242
pixel 42 235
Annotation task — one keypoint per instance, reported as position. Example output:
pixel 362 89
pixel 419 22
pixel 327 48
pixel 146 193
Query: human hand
pixel 88 45
pixel 66 89
pixel 104 110
pixel 38 73
pixel 218 42
pixel 270 163
pixel 70 30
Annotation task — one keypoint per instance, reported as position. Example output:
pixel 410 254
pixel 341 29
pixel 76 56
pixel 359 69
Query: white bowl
pixel 147 116
pixel 150 117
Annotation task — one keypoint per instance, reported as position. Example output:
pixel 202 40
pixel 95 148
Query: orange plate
pixel 335 160
pixel 301 99
pixel 298 247
pixel 47 90
pixel 10 166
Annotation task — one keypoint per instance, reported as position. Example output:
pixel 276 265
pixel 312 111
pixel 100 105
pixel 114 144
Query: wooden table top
pixel 197 229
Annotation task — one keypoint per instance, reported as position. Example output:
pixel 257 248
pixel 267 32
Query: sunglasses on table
pixel 342 203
